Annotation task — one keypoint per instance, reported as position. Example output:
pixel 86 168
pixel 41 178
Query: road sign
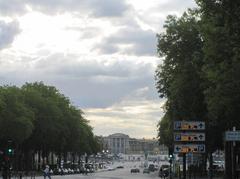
pixel 189 137
pixel 187 148
pixel 189 125
pixel 232 135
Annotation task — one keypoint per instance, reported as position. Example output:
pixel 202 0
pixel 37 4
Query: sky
pixel 99 53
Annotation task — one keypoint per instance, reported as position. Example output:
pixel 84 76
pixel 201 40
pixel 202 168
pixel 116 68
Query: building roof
pixel 118 135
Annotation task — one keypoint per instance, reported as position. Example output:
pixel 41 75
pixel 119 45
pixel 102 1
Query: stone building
pixel 117 143
pixel 122 143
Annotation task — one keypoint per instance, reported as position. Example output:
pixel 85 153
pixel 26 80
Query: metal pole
pixel 170 175
pixel 233 156
pixel 184 166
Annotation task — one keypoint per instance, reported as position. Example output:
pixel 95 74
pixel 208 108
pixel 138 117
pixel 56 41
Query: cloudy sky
pixel 99 53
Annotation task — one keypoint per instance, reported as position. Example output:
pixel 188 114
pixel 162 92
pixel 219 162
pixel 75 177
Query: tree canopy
pixel 178 78
pixel 38 117
pixel 200 76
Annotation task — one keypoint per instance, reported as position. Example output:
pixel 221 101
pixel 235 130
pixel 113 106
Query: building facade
pixel 122 144
pixel 117 143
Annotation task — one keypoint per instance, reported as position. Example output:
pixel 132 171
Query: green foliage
pixel 38 117
pixel 16 119
pixel 200 74
pixel 178 78
pixel 221 31
pixel 165 131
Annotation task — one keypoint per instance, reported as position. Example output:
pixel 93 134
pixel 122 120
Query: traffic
pixel 119 170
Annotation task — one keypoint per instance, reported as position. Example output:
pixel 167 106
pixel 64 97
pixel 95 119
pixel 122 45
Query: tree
pixel 165 131
pixel 178 78
pixel 37 118
pixel 16 119
pixel 221 33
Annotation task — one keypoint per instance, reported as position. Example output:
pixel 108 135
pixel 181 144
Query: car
pixel 164 166
pixel 120 166
pixel 151 168
pixel 83 170
pixel 56 171
pixel 76 170
pixel 89 167
pixel 164 171
pixel 135 170
pixel 110 168
pixel 146 170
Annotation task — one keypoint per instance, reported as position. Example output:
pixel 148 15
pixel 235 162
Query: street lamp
pixel 170 161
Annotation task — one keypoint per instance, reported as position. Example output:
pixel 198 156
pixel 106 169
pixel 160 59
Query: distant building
pixel 117 143
pixel 146 146
pixel 122 143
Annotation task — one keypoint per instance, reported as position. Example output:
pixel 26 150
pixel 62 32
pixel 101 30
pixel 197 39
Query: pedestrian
pixel 46 172
pixel 161 172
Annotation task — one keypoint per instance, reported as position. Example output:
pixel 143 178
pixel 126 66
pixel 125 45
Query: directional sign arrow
pixel 200 125
pixel 178 137
pixel 178 148
pixel 201 148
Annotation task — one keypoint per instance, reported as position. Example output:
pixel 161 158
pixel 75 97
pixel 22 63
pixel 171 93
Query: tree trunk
pixel 39 160
pixel 228 163
pixel 210 165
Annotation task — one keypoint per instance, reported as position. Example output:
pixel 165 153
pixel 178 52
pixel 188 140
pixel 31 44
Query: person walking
pixel 160 172
pixel 46 172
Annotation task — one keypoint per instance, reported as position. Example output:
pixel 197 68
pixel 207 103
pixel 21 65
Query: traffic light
pixel 10 151
pixel 170 158
pixel 9 148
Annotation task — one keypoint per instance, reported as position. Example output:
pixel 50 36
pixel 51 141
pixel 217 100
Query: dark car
pixel 151 168
pixel 120 166
pixel 135 170
pixel 146 170
pixel 164 171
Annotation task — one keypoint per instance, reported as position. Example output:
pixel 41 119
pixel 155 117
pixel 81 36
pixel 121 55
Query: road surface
pixel 115 174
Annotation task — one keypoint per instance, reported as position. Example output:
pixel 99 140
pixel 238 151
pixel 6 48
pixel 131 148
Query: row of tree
pixel 200 73
pixel 39 119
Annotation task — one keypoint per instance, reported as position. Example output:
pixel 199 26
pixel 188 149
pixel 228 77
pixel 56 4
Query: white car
pixel 109 168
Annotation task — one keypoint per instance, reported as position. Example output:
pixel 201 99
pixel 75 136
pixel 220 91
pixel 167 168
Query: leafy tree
pixel 39 119
pixel 16 119
pixel 43 101
pixel 56 118
pixel 178 78
pixel 221 34
pixel 165 131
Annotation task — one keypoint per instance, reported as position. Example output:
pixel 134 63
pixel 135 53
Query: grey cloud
pixel 107 69
pixel 139 42
pixel 87 82
pixel 99 8
pixel 176 5
pixel 107 48
pixel 12 7
pixel 7 33
pixel 109 8
pixel 91 32
pixel 58 6
pixel 86 32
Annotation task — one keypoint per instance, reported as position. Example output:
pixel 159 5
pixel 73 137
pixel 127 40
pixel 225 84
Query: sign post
pixel 233 137
pixel 189 137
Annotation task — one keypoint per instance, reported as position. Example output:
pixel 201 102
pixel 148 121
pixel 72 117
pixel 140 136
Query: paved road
pixel 115 174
